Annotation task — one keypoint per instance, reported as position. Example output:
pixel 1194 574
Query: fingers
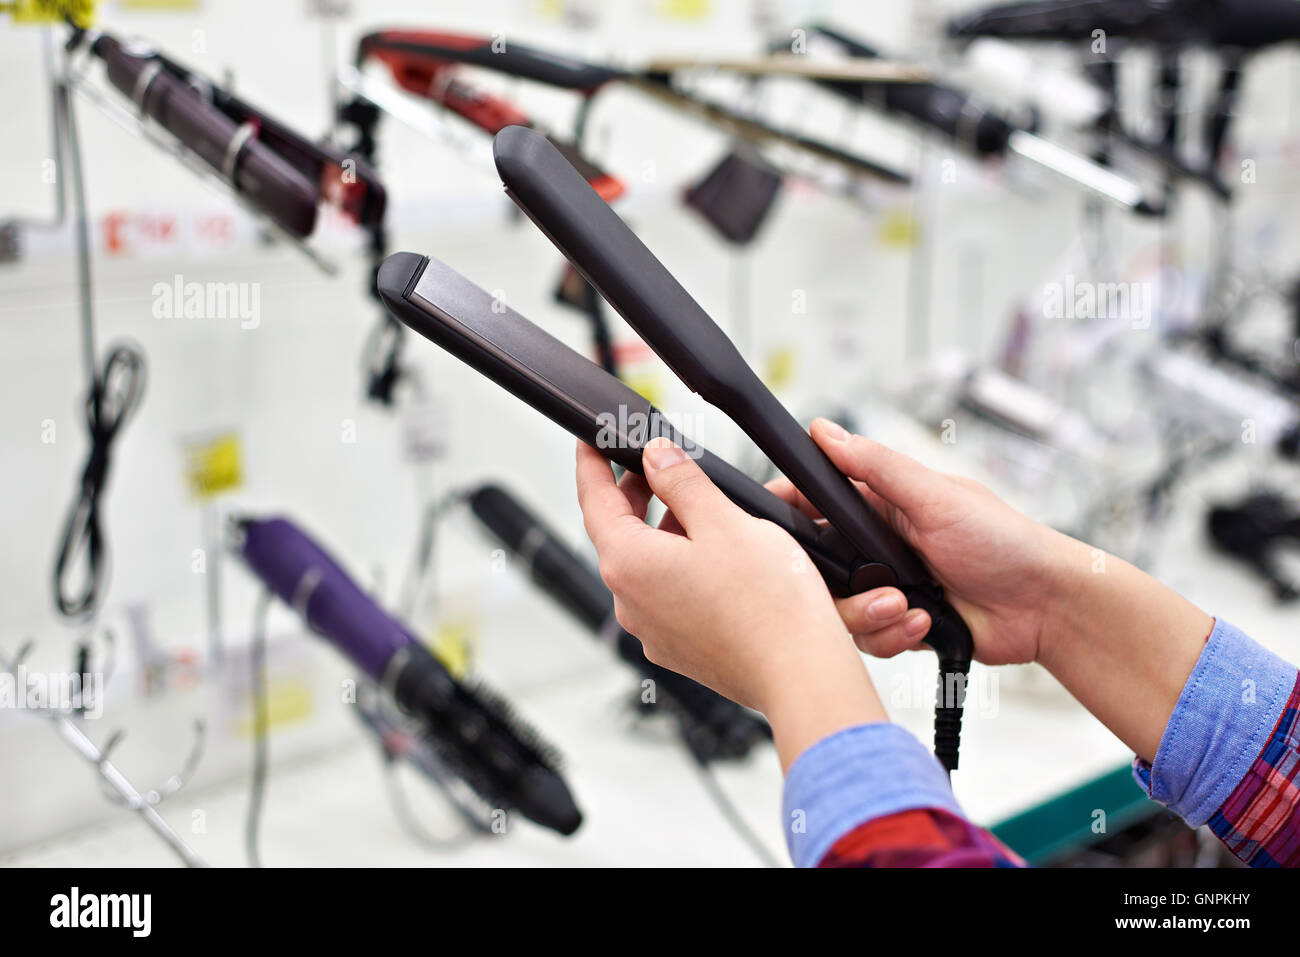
pixel 684 488
pixel 630 551
pixel 872 610
pixel 637 492
pixel 881 623
pixel 900 480
pixel 670 524
pixel 784 489
pixel 605 508
pixel 903 635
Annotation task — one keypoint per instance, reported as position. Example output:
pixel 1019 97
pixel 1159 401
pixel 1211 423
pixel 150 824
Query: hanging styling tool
pixel 418 65
pixel 736 196
pixel 470 728
pixel 574 291
pixel 281 173
pixel 231 149
pixel 1253 531
pixel 1225 106
pixel 404 47
pixel 1086 99
pixel 856 550
pixel 712 727
pixel 1236 24
pixel 273 169
pixel 957 115
pixel 277 172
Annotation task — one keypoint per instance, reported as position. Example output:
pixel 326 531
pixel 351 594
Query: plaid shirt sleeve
pixel 873 796
pixel 924 837
pixel 1230 755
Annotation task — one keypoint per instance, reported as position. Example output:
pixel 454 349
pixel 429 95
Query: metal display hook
pixel 399 743
pixel 172 784
pixel 11 227
pixel 115 785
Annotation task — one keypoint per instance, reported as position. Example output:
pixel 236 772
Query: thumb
pixel 682 486
pixel 901 481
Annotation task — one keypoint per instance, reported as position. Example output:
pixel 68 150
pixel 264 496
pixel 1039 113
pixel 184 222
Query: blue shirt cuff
pixel 1229 707
pixel 853 776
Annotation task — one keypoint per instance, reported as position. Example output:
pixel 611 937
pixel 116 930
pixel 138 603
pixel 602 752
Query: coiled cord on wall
pixel 113 397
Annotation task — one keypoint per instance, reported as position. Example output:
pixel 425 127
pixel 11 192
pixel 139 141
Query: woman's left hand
pixel 725 598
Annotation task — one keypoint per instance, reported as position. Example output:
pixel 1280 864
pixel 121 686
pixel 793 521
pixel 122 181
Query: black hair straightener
pixel 855 550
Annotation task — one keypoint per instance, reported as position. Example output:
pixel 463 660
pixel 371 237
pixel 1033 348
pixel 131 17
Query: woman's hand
pixel 727 599
pixel 1002 571
pixel 1118 640
pixel 732 601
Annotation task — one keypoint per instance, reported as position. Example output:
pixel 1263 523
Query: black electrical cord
pixel 382 356
pixel 257 784
pixel 951 639
pixel 114 395
pixel 954 672
pixel 574 291
pixel 381 361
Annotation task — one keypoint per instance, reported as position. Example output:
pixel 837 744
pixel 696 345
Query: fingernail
pixel 662 454
pixel 885 608
pixel 834 431
pixel 915 623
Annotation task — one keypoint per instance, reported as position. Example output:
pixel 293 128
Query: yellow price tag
pixel 82 12
pixel 685 9
pixel 897 228
pixel 158 4
pixel 213 465
pixel 779 367
pixel 288 701
pixel 549 9
pixel 453 644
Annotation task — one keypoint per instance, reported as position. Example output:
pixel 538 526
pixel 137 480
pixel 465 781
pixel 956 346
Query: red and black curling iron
pixel 417 64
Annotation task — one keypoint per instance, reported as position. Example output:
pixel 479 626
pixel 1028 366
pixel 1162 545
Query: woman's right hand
pixel 1119 641
pixel 1004 573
